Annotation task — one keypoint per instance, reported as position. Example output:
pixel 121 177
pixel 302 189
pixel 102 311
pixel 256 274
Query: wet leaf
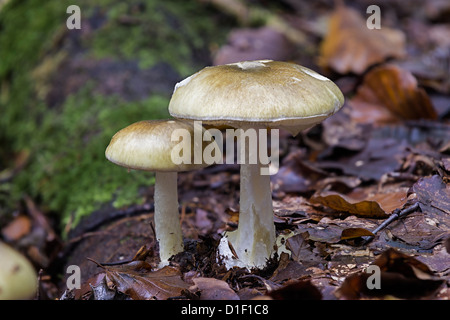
pixel 289 270
pixel 296 290
pixel 378 157
pixel 340 202
pixel 401 276
pixel 395 89
pixel 101 291
pixel 353 233
pixel 296 175
pixel 323 232
pixel 138 281
pixel 213 289
pixel 433 195
pixel 301 250
pixel 350 46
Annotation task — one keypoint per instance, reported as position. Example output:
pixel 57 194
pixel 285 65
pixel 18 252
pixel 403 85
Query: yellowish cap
pixel 18 278
pixel 267 93
pixel 147 145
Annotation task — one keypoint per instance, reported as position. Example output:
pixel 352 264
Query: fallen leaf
pixel 17 228
pixel 438 262
pixel 138 281
pixel 296 290
pixel 323 232
pixel 213 289
pixel 433 195
pixel 289 270
pixel 429 228
pixel 101 291
pixel 340 132
pixel 301 250
pixel 393 89
pixel 378 157
pixel 296 175
pixel 401 276
pixel 353 233
pixel 350 46
pixel 340 202
pixel 446 164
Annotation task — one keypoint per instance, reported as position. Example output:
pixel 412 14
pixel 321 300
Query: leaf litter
pixel 387 150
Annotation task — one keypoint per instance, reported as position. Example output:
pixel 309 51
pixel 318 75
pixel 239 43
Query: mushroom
pixel 18 278
pixel 255 94
pixel 152 145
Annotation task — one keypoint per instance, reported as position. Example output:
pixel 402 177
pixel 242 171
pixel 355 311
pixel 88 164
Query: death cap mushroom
pixel 255 94
pixel 149 145
pixel 262 93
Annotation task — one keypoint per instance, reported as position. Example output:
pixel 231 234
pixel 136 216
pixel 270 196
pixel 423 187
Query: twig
pixel 397 214
pixel 141 255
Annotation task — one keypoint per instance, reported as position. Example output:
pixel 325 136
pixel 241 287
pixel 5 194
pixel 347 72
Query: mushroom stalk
pixel 167 219
pixel 254 239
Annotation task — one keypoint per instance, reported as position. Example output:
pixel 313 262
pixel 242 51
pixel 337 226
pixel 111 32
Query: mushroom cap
pixel 147 145
pixel 264 93
pixel 18 278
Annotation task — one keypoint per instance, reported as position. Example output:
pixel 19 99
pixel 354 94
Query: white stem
pixel 167 218
pixel 254 239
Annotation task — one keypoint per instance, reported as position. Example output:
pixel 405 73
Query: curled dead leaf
pixel 340 202
pixel 140 283
pixel 401 276
pixel 17 228
pixel 353 233
pixel 391 88
pixel 213 289
pixel 367 202
pixel 350 46
pixel 433 195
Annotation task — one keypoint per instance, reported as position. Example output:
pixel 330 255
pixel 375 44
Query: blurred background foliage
pixel 64 93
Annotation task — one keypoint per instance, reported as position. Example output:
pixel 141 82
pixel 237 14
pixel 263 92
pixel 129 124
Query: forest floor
pixel 385 153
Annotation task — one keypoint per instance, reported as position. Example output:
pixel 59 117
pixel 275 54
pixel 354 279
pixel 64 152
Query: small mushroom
pixel 256 94
pixel 18 278
pixel 151 146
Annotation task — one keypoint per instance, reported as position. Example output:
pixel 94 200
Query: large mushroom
pixel 255 94
pixel 154 145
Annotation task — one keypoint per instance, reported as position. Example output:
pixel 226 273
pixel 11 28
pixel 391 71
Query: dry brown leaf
pixel 138 281
pixel 360 203
pixel 353 233
pixel 350 46
pixel 213 289
pixel 17 228
pixel 401 276
pixel 433 195
pixel 390 93
pixel 340 202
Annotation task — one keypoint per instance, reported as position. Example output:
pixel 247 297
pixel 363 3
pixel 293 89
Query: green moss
pixel 157 31
pixel 66 172
pixel 69 170
pixel 26 32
